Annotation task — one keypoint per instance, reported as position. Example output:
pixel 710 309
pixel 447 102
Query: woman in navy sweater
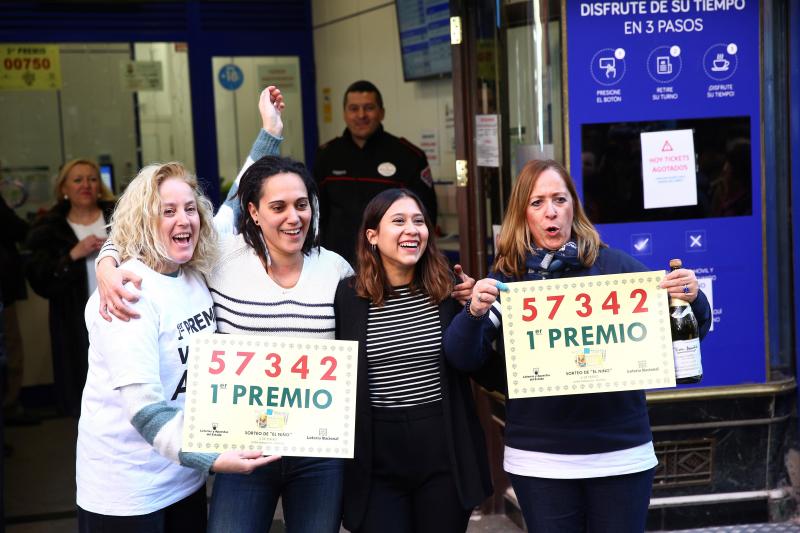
pixel 581 462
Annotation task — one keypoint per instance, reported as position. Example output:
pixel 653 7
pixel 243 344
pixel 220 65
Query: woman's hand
pixel 270 105
pixel 463 290
pixel 86 246
pixel 484 295
pixel 113 295
pixel 682 284
pixel 236 462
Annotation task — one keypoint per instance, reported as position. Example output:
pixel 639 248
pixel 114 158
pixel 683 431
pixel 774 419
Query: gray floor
pixel 40 483
pixel 40 487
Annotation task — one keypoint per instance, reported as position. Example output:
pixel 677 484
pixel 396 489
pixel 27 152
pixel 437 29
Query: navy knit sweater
pixel 573 424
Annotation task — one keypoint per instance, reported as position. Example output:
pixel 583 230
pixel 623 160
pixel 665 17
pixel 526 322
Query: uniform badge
pixel 426 176
pixel 387 169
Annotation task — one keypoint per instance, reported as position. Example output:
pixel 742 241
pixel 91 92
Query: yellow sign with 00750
pixel 30 67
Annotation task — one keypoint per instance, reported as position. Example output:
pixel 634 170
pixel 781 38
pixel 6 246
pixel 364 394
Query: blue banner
pixel 664 130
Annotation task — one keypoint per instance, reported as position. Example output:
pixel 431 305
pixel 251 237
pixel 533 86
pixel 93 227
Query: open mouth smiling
pixel 182 238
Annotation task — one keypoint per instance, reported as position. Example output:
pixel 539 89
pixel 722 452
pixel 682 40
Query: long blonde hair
pixel 515 237
pixel 105 192
pixel 135 222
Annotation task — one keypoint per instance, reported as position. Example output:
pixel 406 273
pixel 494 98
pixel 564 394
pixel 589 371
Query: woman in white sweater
pixel 272 278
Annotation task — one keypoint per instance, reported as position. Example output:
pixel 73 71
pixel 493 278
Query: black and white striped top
pixel 404 339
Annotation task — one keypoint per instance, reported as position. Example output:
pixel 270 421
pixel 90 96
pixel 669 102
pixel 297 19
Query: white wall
pixel 358 39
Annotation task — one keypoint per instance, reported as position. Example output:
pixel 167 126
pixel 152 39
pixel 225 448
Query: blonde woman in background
pixel 64 242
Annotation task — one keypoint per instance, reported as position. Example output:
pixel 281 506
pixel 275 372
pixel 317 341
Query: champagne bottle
pixel 685 337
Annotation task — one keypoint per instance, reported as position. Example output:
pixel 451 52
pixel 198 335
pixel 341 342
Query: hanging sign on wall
pixel 230 77
pixel 142 76
pixel 30 67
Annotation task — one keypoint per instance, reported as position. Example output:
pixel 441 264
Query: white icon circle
pixel 732 48
pixel 663 65
pixel 606 67
pixel 719 66
pixel 675 51
pixel 619 53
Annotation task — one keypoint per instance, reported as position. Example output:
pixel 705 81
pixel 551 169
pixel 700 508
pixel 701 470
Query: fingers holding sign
pixel 484 294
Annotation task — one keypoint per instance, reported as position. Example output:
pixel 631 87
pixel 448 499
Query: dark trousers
pixel 613 504
pixel 186 515
pixel 412 489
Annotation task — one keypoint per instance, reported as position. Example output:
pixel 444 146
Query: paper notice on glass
pixel 142 75
pixel 429 142
pixel 487 145
pixel 586 335
pixel 668 169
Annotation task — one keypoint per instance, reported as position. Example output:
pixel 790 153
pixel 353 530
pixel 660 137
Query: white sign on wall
pixel 142 75
pixel 668 169
pixel 487 144
pixel 429 142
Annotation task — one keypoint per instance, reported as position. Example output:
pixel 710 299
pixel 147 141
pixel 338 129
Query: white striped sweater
pixel 247 301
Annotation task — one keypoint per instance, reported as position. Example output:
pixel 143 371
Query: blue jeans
pixel 311 491
pixel 613 504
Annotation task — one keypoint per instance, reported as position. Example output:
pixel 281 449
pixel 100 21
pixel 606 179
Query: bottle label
pixel 687 358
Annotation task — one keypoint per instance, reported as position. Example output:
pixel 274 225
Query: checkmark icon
pixel 641 244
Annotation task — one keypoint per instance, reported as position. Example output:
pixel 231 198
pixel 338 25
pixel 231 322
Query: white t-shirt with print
pixel 118 472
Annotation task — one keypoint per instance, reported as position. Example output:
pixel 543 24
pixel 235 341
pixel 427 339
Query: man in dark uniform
pixel 350 170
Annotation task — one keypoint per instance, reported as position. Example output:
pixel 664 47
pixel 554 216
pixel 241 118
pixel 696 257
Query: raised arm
pixel 113 296
pixel 268 141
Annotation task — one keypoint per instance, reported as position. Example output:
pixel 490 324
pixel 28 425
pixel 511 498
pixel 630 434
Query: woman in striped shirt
pixel 420 463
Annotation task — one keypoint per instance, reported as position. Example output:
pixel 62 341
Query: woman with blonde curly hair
pixel 131 473
pixel 64 242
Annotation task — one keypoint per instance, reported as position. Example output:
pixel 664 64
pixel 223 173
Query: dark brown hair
pixel 431 273
pixel 251 189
